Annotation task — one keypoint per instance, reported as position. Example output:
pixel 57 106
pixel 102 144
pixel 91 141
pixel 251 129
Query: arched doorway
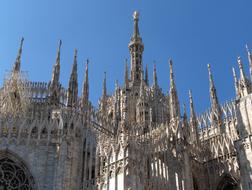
pixel 14 175
pixel 227 182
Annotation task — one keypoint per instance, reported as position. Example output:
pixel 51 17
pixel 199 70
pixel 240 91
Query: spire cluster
pixel 137 85
pixel 243 86
pixel 137 125
pixel 136 48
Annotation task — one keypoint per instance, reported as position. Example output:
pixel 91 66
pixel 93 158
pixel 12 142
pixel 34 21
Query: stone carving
pixel 137 138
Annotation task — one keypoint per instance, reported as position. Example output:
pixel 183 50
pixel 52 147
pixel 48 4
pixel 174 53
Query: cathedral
pixel 137 138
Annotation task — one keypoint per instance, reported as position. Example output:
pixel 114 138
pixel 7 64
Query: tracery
pixel 14 176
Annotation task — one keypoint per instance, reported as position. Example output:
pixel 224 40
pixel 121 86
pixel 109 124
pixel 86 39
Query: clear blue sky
pixel 192 32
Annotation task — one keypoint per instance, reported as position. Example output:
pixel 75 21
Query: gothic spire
pixel 116 102
pixel 104 88
pixel 213 95
pixel 126 75
pixel 136 48
pixel 56 69
pixel 235 83
pixel 193 120
pixel 17 64
pixel 54 85
pixel 72 92
pixel 172 82
pixel 174 103
pixel 85 88
pixel 116 86
pixel 250 60
pixel 210 77
pixel 146 75
pixel 154 75
pixel 185 128
pixel 116 90
pixel 240 64
pixel 216 112
pixel 103 100
pixel 244 83
pixel 192 111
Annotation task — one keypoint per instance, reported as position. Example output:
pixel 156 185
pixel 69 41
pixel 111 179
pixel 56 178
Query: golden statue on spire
pixel 136 15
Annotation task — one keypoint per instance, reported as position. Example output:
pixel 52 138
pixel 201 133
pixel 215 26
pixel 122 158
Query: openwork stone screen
pixel 14 175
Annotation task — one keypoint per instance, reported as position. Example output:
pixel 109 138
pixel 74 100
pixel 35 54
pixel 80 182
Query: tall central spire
pixel 136 48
